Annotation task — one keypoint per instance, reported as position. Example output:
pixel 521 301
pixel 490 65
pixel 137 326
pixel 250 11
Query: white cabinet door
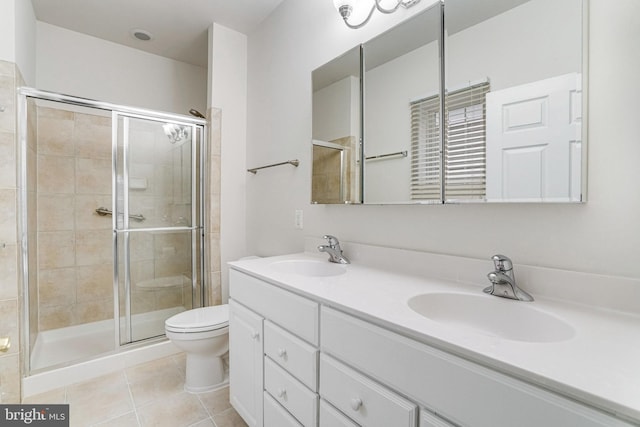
pixel 534 141
pixel 246 363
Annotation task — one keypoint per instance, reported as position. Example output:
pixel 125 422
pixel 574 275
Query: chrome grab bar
pixel 104 211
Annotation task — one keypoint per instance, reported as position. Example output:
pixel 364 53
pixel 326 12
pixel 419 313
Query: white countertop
pixel 599 365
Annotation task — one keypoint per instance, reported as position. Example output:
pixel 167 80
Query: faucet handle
pixel 502 262
pixel 332 240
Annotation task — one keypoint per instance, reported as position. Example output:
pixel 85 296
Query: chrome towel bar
pixel 104 211
pixel 382 156
pixel 295 163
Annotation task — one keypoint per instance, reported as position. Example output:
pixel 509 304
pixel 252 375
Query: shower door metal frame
pixel 197 211
pixel 23 94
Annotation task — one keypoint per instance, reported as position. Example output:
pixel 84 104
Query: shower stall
pixel 111 204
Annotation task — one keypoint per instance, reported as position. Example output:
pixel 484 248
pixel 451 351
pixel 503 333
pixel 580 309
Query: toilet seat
pixel 203 319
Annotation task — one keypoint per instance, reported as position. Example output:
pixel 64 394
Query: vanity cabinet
pixel 458 390
pixel 296 362
pixel 245 354
pixel 288 353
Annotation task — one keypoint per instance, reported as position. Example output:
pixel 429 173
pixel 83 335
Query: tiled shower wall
pixel 10 292
pixel 212 241
pixel 75 267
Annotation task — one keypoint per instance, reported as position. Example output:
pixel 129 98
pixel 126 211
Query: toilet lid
pixel 199 319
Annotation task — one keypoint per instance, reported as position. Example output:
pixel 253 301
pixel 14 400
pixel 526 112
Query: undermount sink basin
pixel 493 316
pixel 309 268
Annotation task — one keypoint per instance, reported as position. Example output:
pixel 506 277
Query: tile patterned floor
pixel 145 395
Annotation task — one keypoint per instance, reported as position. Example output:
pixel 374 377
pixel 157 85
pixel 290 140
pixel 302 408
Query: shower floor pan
pixel 66 345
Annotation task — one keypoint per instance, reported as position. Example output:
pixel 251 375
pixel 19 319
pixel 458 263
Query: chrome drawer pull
pixel 282 352
pixel 282 392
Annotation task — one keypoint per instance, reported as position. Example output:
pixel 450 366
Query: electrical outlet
pixel 298 219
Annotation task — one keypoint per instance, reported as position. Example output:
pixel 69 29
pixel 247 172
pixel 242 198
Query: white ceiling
pixel 179 27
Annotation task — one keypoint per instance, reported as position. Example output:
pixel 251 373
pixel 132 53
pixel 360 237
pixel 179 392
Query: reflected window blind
pixel 465 174
pixel 465 137
pixel 425 149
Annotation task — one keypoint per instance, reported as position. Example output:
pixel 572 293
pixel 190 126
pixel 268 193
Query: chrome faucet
pixel 503 280
pixel 333 249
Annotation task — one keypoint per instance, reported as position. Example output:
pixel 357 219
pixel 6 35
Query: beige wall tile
pixel 7 160
pixel 8 272
pixel 55 317
pixel 92 136
pixel 8 101
pixel 55 174
pixel 94 247
pixel 55 212
pixel 10 378
pixel 57 287
pixel 94 310
pixel 141 302
pixel 56 249
pixel 168 298
pixel 32 170
pixel 215 291
pixel 7 69
pixel 55 130
pixel 93 176
pixel 95 282
pixel 9 323
pixel 8 226
pixel 54 113
pixel 141 246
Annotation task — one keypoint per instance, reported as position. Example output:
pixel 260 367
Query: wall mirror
pixel 401 112
pixel 506 76
pixel 337 124
pixel 513 101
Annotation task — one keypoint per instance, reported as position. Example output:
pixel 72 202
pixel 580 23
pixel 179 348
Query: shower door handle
pixel 104 211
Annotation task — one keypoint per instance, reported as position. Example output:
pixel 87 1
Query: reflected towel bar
pixel 104 211
pixel 382 156
pixel 288 162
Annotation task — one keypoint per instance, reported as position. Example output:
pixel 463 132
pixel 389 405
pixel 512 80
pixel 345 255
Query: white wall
pixel 76 64
pixel 333 110
pixel 17 36
pixel 600 236
pixel 228 91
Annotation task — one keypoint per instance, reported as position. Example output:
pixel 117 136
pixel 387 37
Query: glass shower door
pixel 157 229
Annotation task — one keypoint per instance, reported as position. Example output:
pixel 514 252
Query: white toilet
pixel 203 334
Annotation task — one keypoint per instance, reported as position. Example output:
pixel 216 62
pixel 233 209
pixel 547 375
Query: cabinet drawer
pixel 294 355
pixel 296 314
pixel 275 415
pixel 367 402
pixel 331 417
pixel 462 391
pixel 427 419
pixel 301 402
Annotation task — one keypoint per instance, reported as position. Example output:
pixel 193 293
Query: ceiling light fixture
pixel 142 35
pixel 345 8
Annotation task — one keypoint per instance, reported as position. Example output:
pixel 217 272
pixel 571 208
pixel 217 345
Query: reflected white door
pixel 534 141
